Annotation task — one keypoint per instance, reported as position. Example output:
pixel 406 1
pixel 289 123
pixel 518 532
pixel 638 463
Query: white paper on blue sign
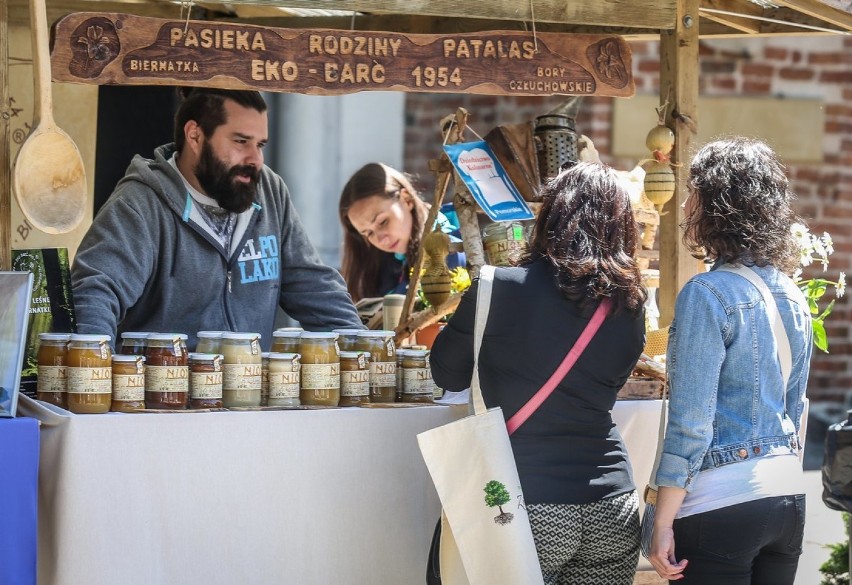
pixel 487 180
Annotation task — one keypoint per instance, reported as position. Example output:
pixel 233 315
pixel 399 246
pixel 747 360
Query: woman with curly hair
pixel 574 470
pixel 731 493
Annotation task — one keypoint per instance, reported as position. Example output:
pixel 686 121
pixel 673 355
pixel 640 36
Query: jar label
pixel 242 377
pixel 205 385
pixel 89 380
pixel 167 379
pixel 51 379
pixel 255 346
pixel 355 383
pixel 128 387
pixel 105 351
pixel 389 346
pixel 320 376
pixel 502 252
pixel 382 374
pixel 417 381
pixel 284 384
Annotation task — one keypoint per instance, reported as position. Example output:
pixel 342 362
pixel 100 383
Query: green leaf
pixel 820 338
pixel 827 311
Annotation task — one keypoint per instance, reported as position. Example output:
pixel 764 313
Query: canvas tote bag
pixel 486 537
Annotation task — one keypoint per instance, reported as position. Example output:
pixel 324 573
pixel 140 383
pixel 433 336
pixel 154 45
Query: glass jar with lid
pixel 243 365
pixel 354 378
pixel 347 338
pixel 166 372
pixel 286 340
pixel 320 384
pixel 504 242
pixel 208 341
pixel 128 383
pixel 205 380
pixel 417 384
pixel 284 379
pixel 400 356
pixel 89 371
pixel 381 347
pixel 52 382
pixel 133 342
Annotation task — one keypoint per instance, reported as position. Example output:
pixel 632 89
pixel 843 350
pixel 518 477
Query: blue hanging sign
pixel 487 180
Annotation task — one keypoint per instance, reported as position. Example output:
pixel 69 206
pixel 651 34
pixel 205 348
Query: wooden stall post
pixel 679 85
pixel 5 144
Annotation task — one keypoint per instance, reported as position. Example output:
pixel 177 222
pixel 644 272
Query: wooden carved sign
pixel 120 49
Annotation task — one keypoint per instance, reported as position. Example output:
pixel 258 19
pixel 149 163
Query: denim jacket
pixel 726 398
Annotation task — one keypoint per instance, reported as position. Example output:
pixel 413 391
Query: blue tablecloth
pixel 19 447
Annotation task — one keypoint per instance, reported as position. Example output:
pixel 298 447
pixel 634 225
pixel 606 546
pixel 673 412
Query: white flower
pixel 827 243
pixel 801 233
pixel 819 250
pixel 805 258
pixel 841 284
pixel 797 274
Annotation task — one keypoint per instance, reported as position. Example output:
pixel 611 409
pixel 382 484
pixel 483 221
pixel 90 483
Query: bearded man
pixel 205 237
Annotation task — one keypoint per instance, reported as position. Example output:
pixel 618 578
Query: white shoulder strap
pixel 483 306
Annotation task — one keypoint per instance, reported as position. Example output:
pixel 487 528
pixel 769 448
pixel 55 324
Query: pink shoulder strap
pixel 539 397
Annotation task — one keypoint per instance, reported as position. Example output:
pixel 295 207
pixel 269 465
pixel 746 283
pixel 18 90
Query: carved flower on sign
pixel 609 62
pixel 97 44
pixel 94 45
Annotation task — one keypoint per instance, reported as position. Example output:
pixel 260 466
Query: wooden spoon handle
pixel 43 98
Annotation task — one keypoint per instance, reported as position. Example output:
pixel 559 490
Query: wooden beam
pixel 640 13
pixel 19 12
pixel 679 86
pixel 821 11
pixel 728 8
pixel 5 144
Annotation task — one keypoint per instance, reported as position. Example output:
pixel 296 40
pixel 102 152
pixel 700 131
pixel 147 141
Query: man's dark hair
pixel 206 106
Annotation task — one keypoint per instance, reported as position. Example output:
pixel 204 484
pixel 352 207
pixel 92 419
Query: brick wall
pixel 813 67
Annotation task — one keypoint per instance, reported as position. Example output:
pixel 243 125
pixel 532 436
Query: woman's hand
pixel 663 554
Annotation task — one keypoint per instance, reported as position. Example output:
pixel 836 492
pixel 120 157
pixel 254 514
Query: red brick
pixel 838 110
pixel 800 74
pixel 835 77
pixel 648 66
pixel 797 56
pixel 758 69
pixel 776 53
pixel 825 58
pixel 704 50
pixel 711 67
pixel 838 128
pixel 757 87
pixel 725 83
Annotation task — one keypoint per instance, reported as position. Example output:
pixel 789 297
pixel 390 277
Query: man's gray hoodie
pixel 145 265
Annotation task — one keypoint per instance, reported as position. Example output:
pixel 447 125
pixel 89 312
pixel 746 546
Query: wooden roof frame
pixel 677 24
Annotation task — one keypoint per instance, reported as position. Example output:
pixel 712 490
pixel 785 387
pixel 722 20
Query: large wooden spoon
pixel 49 178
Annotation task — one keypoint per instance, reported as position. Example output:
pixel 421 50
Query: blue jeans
pixel 754 543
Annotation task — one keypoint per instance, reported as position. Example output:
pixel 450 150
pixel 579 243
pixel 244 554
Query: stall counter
pixel 307 496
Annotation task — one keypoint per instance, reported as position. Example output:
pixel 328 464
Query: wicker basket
pixel 656 342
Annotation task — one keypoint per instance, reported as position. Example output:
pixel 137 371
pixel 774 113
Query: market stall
pixel 318 470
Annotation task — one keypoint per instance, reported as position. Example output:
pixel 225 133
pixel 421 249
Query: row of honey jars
pixel 504 242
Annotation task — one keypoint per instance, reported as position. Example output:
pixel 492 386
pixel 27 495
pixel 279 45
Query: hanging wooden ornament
pixel 435 282
pixel 659 177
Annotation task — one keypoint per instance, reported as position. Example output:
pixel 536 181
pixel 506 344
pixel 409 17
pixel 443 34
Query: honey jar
pixel 400 355
pixel 128 383
pixel 320 384
pixel 208 341
pixel 380 346
pixel 347 338
pixel 205 380
pixel 284 379
pixel 504 242
pixel 417 384
pixel 242 379
pixel 52 383
pixel 89 371
pixel 133 342
pixel 286 340
pixel 166 372
pixel 354 378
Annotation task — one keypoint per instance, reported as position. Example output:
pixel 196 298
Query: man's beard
pixel 220 182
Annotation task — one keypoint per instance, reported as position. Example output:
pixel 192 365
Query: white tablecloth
pixel 280 497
